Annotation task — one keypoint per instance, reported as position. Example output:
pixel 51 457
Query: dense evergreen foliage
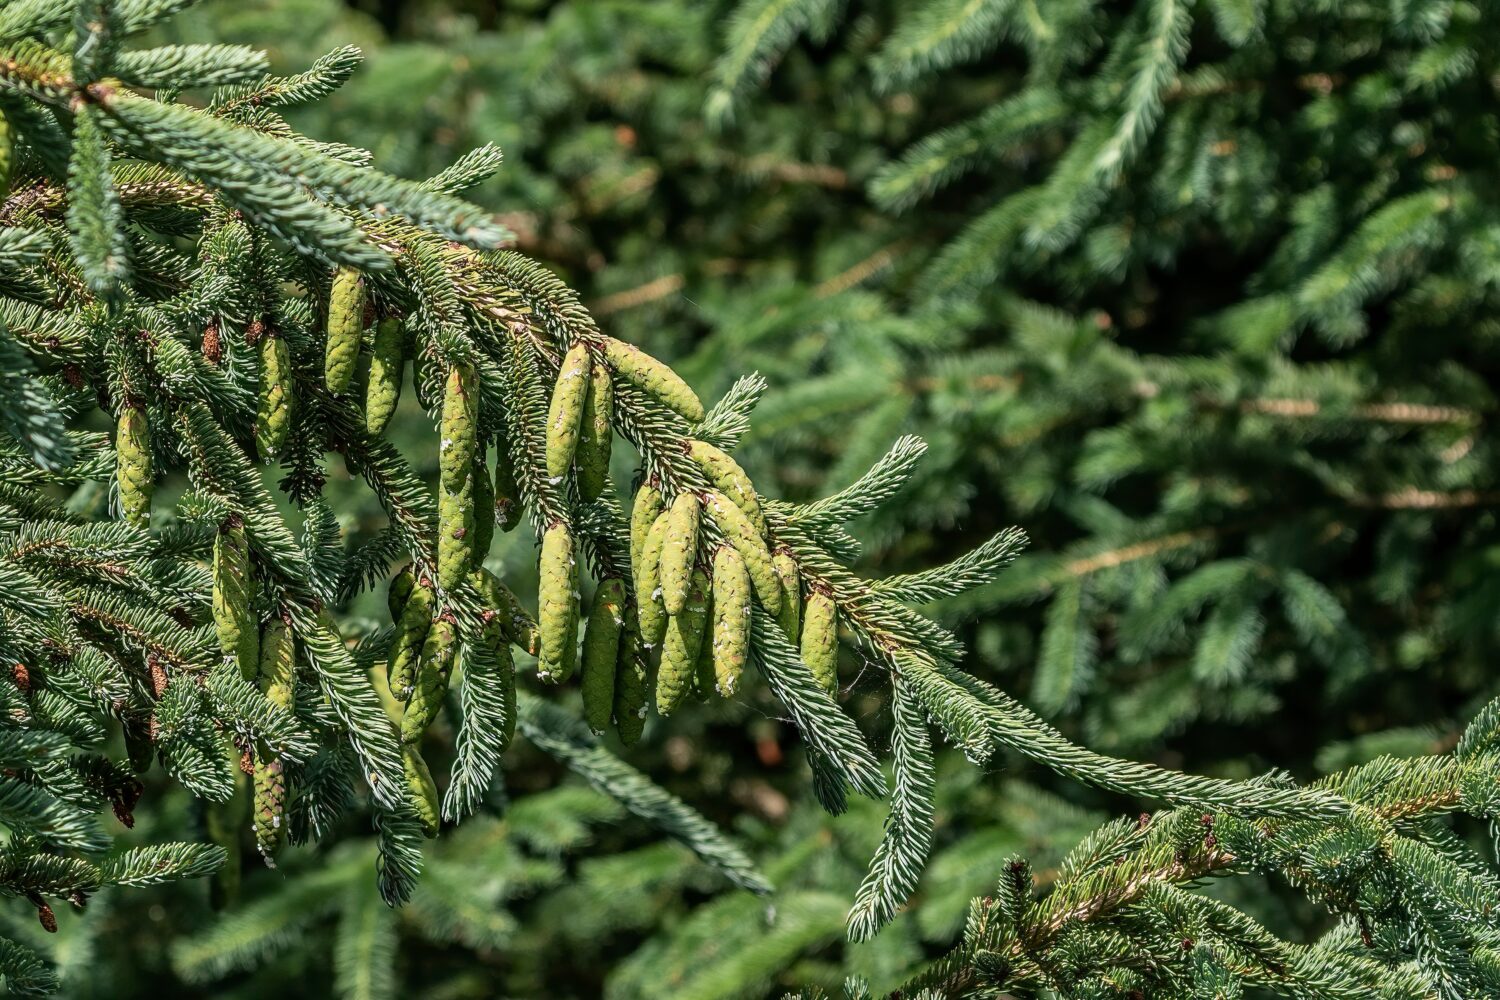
pixel 1199 295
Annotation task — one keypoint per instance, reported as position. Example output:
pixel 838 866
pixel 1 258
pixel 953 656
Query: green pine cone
pixel 424 793
pixel 346 322
pixel 596 435
pixel 727 476
pixel 439 652
pixel 387 365
pixel 456 468
pixel 234 616
pixel 565 415
pixel 273 412
pixel 412 627
pixel 133 466
pixel 650 612
pixel 751 547
pixel 820 645
pixel 514 620
pixel 398 592
pixel 484 507
pixel 460 427
pixel 557 610
pixel 278 665
pixel 704 681
pixel 678 550
pixel 268 811
pixel 681 646
pixel 654 378
pixel 790 576
pixel 455 542
pixel 507 501
pixel 601 651
pixel 277 683
pixel 570 648
pixel 7 154
pixel 731 608
pixel 632 683
pixel 644 511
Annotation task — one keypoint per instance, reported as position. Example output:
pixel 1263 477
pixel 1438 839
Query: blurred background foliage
pixel 1212 319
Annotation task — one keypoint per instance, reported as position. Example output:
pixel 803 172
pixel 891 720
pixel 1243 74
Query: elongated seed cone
pixel 632 683
pixel 456 468
pixel 507 499
pixel 424 793
pixel 7 155
pixel 726 475
pixel 654 378
pixel 460 427
pixel 731 624
pixel 650 612
pixel 820 635
pixel 565 416
pixel 681 645
pixel 273 410
pixel 133 466
pixel 750 545
pixel 278 683
pixel 234 617
pixel 387 366
pixel 790 616
pixel 557 611
pixel 278 665
pixel 644 511
pixel 411 634
pixel 346 321
pixel 596 434
pixel 601 651
pixel 268 812
pixel 398 592
pixel 704 682
pixel 484 508
pixel 678 549
pixel 519 628
pixel 570 648
pixel 439 652
pixel 455 541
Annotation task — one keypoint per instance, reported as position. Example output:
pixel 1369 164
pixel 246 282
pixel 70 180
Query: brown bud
pixel 124 814
pixel 158 676
pixel 213 345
